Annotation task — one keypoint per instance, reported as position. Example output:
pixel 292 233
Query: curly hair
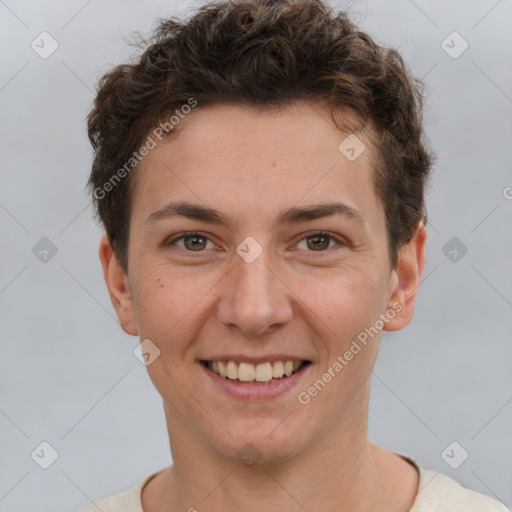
pixel 264 54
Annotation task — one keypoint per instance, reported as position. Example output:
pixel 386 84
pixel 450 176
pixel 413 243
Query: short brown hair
pixel 264 54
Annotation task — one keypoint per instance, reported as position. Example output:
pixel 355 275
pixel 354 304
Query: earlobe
pixel 118 287
pixel 407 277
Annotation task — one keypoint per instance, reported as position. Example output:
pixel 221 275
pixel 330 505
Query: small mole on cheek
pixel 160 283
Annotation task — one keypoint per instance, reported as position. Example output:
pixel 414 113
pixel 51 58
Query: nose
pixel 254 297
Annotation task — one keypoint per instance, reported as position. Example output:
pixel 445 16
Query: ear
pixel 118 287
pixel 405 279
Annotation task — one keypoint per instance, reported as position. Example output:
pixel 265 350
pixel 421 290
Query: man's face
pixel 263 288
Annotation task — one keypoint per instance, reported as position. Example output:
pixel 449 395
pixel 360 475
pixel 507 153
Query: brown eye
pixel 320 242
pixel 192 242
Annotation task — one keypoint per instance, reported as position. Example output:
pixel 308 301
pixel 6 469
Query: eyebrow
pixel 289 216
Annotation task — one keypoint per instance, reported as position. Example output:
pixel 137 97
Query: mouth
pixel 257 374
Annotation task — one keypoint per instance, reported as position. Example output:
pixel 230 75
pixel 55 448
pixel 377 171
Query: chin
pixel 262 441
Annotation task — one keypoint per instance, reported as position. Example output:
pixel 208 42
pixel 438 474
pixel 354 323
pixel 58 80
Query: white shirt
pixel 437 492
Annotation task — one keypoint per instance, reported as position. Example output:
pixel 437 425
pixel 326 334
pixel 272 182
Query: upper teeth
pixel 263 372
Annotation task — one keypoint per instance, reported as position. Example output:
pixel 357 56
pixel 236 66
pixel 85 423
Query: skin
pixel 293 299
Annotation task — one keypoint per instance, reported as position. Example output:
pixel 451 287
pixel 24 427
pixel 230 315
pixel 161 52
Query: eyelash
pixel 339 241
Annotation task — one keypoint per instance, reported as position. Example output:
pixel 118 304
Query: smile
pixel 255 373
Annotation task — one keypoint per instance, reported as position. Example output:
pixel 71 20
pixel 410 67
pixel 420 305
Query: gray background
pixel 68 374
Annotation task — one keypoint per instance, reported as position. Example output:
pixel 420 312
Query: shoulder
pixel 437 492
pixel 125 501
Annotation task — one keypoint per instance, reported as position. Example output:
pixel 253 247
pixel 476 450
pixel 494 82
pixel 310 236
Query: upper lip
pixel 254 360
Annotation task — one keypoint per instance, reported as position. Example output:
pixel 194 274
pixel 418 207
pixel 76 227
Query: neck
pixel 342 471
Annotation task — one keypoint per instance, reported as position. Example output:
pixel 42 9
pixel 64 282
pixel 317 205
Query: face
pixel 253 268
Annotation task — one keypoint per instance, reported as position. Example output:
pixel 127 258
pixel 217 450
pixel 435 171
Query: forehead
pixel 240 160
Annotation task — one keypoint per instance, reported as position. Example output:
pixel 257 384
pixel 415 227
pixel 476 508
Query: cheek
pixel 168 303
pixel 346 300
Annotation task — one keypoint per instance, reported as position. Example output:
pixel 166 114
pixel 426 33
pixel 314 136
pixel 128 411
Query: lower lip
pixel 256 391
